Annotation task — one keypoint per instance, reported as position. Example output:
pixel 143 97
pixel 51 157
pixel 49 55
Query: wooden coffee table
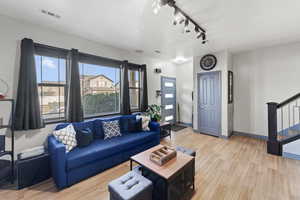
pixel 170 171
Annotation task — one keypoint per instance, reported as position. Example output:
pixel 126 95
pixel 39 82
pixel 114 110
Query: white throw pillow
pixel 67 136
pixel 111 129
pixel 145 122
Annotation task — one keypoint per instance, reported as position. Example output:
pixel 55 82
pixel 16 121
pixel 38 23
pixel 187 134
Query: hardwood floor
pixel 238 168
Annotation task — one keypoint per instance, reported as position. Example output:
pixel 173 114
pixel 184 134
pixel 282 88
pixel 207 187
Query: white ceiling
pixel 235 25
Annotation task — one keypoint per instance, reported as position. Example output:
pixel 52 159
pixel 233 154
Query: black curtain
pixel 144 90
pixel 125 97
pixel 27 114
pixel 73 104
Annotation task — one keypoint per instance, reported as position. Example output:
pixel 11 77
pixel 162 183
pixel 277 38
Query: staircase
pixel 284 128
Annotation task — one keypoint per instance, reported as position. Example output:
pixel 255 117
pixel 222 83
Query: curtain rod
pixel 108 59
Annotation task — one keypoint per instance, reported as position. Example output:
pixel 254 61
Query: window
pixel 51 79
pixel 134 89
pixel 99 81
pixel 100 89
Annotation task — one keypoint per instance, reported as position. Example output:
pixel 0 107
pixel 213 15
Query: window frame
pixel 136 88
pixel 52 85
pixel 81 87
pixel 60 53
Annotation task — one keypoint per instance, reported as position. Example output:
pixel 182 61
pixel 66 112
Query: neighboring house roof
pixel 89 77
pixel 101 89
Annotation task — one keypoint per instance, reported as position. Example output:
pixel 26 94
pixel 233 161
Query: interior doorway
pixel 209 103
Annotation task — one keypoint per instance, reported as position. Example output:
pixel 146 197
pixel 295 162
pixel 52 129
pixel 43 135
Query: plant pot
pixel 154 120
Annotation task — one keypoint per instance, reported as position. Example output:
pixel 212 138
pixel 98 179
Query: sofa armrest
pixel 154 126
pixel 57 152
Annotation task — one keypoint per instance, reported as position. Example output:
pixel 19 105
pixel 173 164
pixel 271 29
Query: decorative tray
pixel 163 155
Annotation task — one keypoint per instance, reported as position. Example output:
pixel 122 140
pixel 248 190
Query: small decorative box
pixel 163 155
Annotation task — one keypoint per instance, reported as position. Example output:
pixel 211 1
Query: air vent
pixel 139 51
pixel 51 14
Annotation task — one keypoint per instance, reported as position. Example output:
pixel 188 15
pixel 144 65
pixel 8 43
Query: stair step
pixel 291 133
pixel 291 156
pixel 292 150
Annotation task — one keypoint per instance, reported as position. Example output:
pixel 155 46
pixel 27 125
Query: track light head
pixel 204 40
pixel 199 35
pixel 186 26
pixel 176 16
pixel 203 36
pixel 158 4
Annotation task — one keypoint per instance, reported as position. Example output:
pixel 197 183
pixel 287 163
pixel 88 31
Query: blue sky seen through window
pixel 54 70
pixel 110 72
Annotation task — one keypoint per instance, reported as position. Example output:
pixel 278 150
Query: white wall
pixel 12 32
pixel 261 76
pixel 223 58
pixel 185 85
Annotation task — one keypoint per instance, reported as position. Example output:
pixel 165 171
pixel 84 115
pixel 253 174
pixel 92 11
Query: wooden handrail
pixel 289 100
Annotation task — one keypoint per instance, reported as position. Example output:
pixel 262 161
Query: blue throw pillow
pixel 134 125
pixel 84 137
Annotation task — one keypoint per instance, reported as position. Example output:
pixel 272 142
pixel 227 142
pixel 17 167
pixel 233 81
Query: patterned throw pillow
pixel 111 129
pixel 67 136
pixel 145 122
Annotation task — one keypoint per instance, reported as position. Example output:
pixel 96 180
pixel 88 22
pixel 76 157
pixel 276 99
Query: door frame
pixel 161 89
pixel 220 106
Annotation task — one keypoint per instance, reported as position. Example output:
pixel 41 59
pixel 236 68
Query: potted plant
pixel 154 112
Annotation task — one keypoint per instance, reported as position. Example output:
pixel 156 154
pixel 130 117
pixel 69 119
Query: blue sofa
pixel 81 163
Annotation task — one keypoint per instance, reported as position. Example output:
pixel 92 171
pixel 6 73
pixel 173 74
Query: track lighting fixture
pixel 176 16
pixel 186 26
pixel 198 33
pixel 204 38
pixel 157 4
pixel 179 17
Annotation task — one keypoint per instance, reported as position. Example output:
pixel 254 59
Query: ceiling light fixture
pixel 179 17
pixel 179 60
pixel 176 16
pixel 204 40
pixel 186 26
pixel 157 4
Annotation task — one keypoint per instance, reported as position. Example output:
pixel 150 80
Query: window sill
pixel 56 121
pixel 101 116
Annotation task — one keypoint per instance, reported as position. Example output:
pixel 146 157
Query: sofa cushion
pixel 67 136
pixel 130 124
pixel 98 128
pixel 84 137
pixel 101 149
pixel 111 129
pixel 78 125
pixel 124 122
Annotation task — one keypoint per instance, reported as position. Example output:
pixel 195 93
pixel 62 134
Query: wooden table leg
pixel 130 164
